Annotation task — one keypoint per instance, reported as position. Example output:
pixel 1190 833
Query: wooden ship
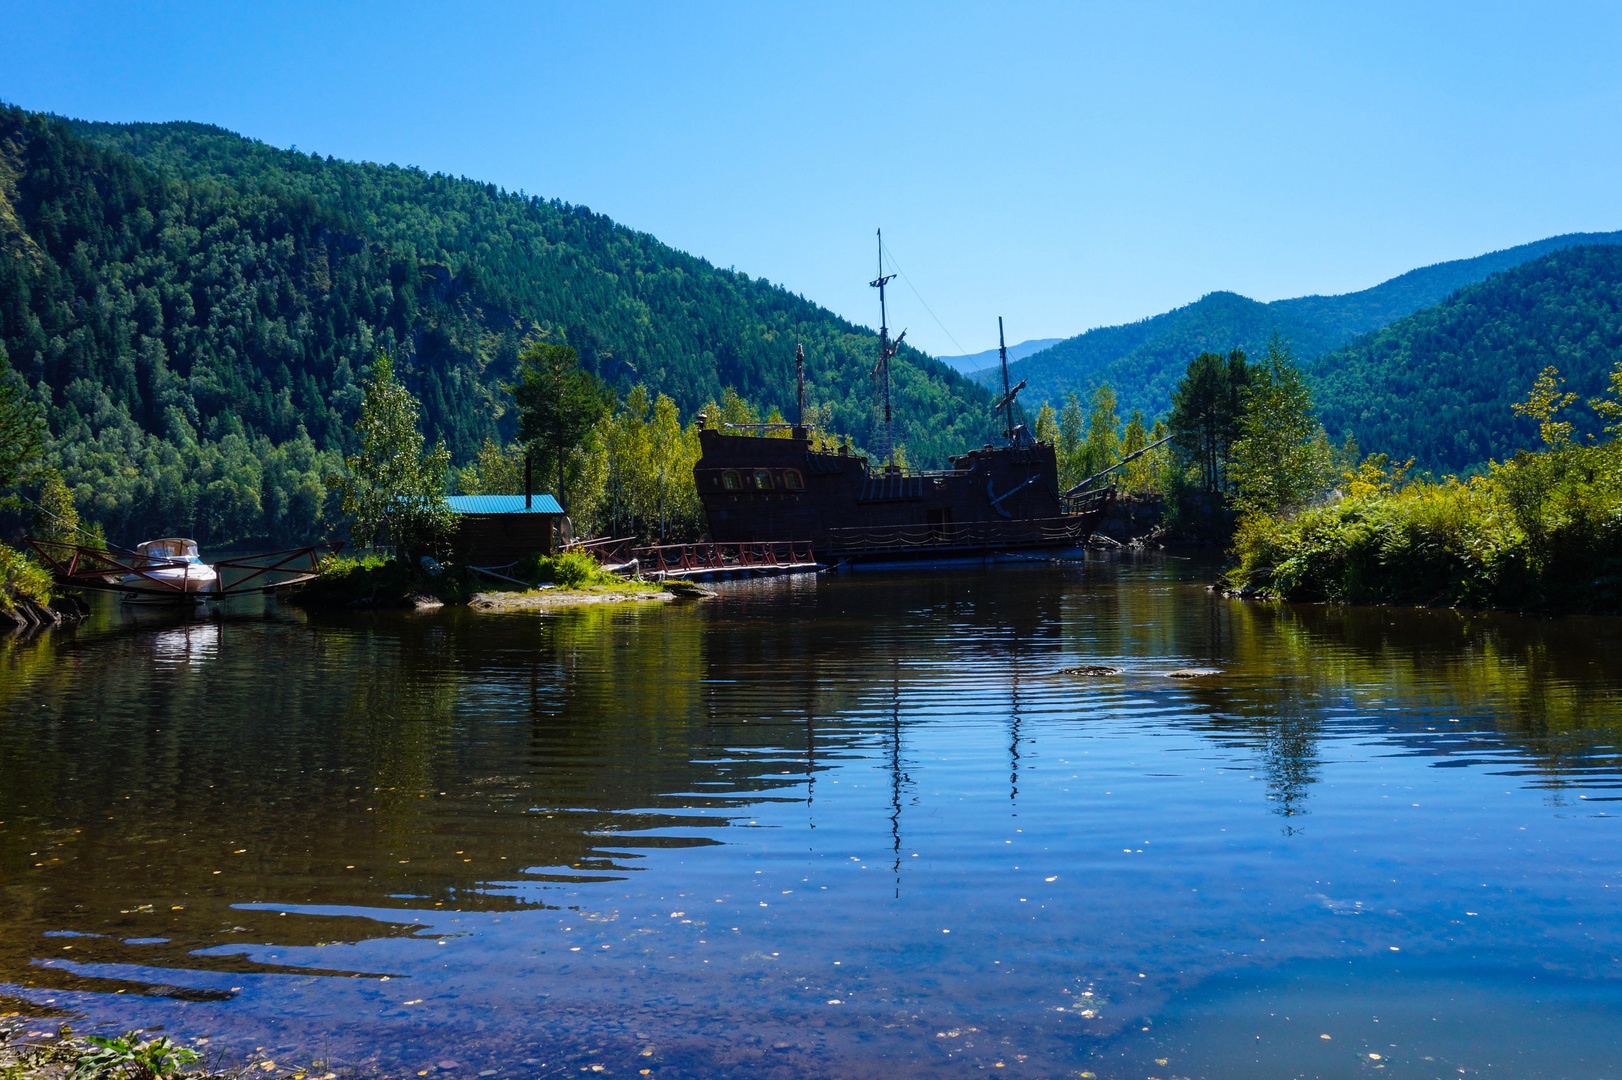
pixel 994 503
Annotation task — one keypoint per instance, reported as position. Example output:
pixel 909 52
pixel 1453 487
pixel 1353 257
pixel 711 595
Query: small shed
pixel 495 530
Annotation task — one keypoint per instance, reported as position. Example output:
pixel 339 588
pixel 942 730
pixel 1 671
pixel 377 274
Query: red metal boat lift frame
pixel 84 567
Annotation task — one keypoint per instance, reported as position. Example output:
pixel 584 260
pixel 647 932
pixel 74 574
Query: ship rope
pixel 887 250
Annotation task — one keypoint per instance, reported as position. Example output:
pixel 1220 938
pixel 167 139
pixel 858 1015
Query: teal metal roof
pixel 503 504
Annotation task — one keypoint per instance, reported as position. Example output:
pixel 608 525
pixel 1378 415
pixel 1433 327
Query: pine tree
pixel 56 517
pixel 1069 449
pixel 1282 457
pixel 393 489
pixel 22 429
pixel 558 404
pixel 1205 415
pixel 1103 445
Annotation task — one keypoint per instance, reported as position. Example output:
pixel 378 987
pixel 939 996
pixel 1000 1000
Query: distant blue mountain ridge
pixel 1142 361
pixel 974 362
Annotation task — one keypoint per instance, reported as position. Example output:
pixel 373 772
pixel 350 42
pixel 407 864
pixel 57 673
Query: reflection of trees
pixel 1530 690
pixel 1524 689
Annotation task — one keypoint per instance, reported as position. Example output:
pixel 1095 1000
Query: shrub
pixel 1542 530
pixel 339 566
pixel 21 579
pixel 127 1057
pixel 569 570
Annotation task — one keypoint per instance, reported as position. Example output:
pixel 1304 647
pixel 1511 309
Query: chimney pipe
pixel 529 483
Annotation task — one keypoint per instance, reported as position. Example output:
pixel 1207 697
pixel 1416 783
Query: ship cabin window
pixel 792 480
pixel 763 479
pixel 730 480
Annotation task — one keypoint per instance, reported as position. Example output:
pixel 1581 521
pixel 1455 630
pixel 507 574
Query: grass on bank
pixel 1540 531
pixel 62 1055
pixel 384 582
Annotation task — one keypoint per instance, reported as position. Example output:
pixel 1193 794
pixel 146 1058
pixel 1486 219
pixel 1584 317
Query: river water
pixel 837 826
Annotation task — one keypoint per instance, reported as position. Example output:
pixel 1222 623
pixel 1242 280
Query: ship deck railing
pixel 973 535
pixel 1082 502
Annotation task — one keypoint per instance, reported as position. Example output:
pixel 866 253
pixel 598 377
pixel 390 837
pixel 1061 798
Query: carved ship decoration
pixel 994 503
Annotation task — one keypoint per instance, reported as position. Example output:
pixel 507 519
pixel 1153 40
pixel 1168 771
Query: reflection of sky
pixel 967 843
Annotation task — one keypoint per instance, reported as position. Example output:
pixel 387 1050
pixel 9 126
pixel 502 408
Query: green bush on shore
pixel 570 570
pixel 21 579
pixel 1542 530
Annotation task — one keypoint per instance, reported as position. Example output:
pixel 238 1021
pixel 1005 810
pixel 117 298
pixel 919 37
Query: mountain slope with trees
pixel 1439 385
pixel 634 309
pixel 193 313
pixel 1144 360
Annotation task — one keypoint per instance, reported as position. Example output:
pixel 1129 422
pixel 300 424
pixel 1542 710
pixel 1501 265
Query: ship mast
pixel 1006 405
pixel 1002 352
pixel 887 349
pixel 799 371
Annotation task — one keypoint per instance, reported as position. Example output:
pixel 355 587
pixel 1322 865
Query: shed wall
pixel 498 539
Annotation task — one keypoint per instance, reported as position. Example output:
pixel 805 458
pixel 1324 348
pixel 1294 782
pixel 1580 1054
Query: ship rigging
pixel 993 502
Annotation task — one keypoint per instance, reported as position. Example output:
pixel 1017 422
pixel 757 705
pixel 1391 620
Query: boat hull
pixel 191 583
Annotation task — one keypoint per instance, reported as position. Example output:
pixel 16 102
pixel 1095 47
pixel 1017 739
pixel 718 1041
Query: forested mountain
pixel 635 309
pixel 1438 385
pixel 1142 361
pixel 195 309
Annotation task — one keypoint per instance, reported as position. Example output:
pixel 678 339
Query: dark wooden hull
pixel 993 500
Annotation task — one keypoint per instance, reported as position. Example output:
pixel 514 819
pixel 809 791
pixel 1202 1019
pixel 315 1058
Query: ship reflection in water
pixel 828 826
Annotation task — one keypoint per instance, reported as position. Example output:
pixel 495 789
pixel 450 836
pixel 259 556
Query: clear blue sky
pixel 1064 166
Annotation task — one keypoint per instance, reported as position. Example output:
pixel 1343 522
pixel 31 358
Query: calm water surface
pixel 836 826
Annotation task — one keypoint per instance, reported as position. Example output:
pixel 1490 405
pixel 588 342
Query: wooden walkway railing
pixel 699 560
pixel 611 552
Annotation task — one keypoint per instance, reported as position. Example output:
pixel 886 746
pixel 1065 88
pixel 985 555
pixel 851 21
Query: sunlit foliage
pixel 1543 529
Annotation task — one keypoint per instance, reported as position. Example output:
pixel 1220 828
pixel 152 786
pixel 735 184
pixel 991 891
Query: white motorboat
pixel 171 574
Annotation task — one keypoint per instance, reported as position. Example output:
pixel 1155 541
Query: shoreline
pixel 498 603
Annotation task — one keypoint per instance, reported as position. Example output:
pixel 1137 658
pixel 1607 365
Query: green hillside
pixel 195 310
pixel 1144 360
pixel 635 309
pixel 1438 385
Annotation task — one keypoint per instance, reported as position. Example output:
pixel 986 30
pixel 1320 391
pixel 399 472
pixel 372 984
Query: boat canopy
pixel 173 547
